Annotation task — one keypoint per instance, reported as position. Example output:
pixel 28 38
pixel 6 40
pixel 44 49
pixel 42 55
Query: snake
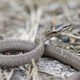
pixel 33 50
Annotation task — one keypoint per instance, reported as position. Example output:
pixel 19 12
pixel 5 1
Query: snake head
pixel 59 28
pixel 62 27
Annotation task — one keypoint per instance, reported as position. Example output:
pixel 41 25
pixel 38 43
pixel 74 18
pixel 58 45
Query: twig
pixel 10 75
pixel 1 76
pixel 34 22
pixel 34 71
pixel 70 35
pixel 29 73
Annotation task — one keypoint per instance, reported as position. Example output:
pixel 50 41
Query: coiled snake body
pixel 21 59
pixel 36 51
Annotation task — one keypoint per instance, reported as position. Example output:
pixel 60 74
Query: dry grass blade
pixel 1 76
pixel 10 74
pixel 34 21
pixel 32 73
pixel 35 75
pixel 28 73
pixel 70 35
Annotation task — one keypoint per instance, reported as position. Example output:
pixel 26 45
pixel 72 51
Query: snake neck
pixel 44 38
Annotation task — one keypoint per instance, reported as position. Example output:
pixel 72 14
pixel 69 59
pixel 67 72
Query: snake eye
pixel 62 27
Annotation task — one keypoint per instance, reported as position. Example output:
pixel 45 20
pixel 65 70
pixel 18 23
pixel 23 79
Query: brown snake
pixel 36 51
pixel 21 59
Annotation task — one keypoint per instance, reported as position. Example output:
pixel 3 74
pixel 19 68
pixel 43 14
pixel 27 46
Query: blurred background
pixel 23 19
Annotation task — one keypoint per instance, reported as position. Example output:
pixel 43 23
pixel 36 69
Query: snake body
pixel 35 51
pixel 63 55
pixel 20 59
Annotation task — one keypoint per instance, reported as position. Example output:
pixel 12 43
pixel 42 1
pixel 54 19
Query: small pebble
pixel 65 39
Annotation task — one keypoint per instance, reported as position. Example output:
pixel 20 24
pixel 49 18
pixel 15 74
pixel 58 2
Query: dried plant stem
pixel 34 21
pixel 10 75
pixel 29 73
pixel 75 76
pixel 34 71
pixel 1 76
pixel 70 35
